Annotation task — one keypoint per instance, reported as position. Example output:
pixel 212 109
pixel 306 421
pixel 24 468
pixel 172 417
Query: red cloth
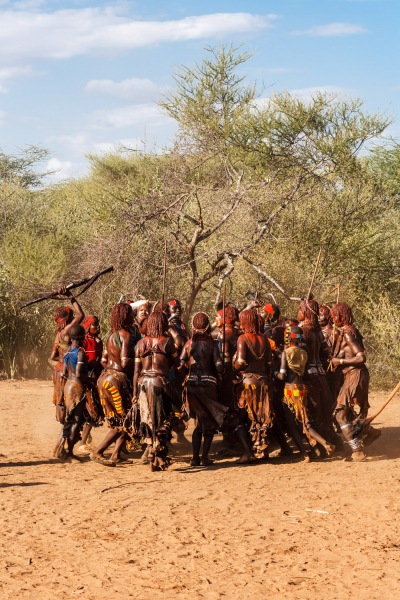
pixel 93 348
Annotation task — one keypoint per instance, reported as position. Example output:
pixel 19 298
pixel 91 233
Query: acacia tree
pixel 237 166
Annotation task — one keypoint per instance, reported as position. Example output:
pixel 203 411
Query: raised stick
pixel 223 325
pixel 314 274
pixel 164 272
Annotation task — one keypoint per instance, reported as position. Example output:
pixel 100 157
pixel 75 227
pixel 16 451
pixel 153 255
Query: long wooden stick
pixel 392 395
pixel 164 271
pixel 337 290
pixel 223 325
pixel 314 274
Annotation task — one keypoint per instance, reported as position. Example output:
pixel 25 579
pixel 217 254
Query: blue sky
pixel 83 76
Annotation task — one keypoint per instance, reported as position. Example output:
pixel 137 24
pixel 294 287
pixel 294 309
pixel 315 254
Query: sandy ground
pixel 273 530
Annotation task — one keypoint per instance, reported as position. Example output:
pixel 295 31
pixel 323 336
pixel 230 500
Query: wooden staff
pixel 223 325
pixel 392 395
pixel 337 290
pixel 314 274
pixel 164 272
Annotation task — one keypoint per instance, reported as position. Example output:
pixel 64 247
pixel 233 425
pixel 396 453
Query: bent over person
pixel 155 354
pixel 201 356
pixel 114 383
pixel 349 358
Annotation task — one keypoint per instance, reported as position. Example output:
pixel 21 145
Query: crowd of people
pixel 254 376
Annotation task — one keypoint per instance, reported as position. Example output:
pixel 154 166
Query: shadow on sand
pixel 30 463
pixel 22 484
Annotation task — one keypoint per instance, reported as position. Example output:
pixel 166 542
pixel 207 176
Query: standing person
pixel 179 333
pixel 141 310
pixel 349 358
pixel 201 357
pixel 330 333
pixel 320 402
pixel 227 350
pixel 76 382
pixel 254 360
pixel 155 354
pixel 177 328
pixel 293 363
pixel 115 382
pixel 94 350
pixel 65 318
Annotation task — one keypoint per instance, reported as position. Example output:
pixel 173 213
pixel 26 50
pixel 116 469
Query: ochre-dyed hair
pixel 231 314
pixel 62 316
pixel 161 307
pixel 120 314
pixel 249 321
pixel 310 310
pixel 201 326
pixel 156 324
pixel 343 312
pixel 201 321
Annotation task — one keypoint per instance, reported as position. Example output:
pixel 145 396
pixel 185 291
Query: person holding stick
pixel 349 358
pixel 65 318
pixel 77 383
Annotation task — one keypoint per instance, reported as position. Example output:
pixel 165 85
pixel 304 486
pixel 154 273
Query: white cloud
pixel 309 92
pixel 127 116
pixel 120 146
pixel 304 94
pixel 10 74
pixel 76 142
pixel 137 89
pixel 60 169
pixel 72 32
pixel 332 30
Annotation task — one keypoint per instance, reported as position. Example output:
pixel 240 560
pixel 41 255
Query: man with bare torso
pixel 179 333
pixel 64 318
pixel 76 382
pixel 201 357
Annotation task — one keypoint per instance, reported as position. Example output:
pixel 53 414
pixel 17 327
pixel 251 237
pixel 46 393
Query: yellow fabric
pixel 296 359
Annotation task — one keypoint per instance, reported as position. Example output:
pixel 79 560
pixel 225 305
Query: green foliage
pixel 22 170
pixel 248 194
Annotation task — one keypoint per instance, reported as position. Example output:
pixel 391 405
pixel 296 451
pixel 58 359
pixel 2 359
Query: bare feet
pixel 245 459
pixel 359 456
pixel 99 458
pixel 330 449
pixel 195 462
